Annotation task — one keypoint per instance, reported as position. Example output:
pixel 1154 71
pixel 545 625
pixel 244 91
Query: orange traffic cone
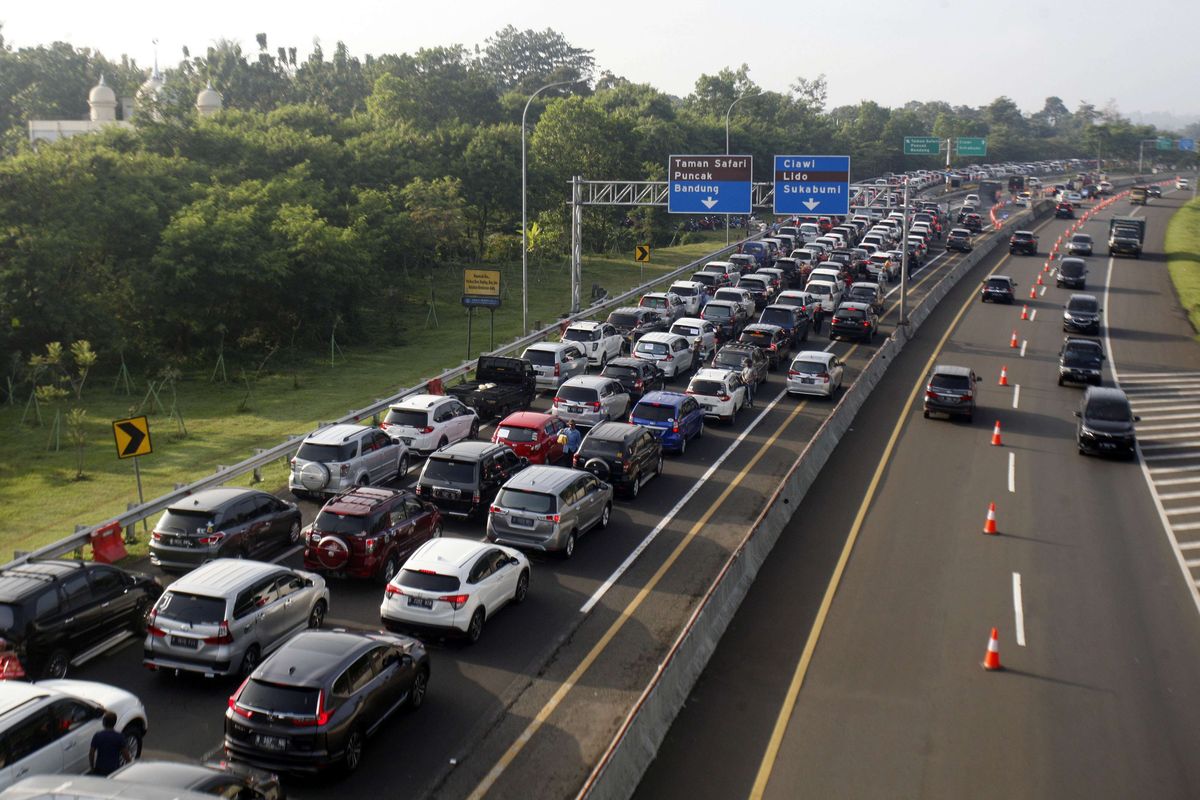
pixel 996 430
pixel 1025 312
pixel 991 661
pixel 1003 382
pixel 1040 282
pixel 989 526
pixel 1013 341
pixel 1032 292
pixel 1046 267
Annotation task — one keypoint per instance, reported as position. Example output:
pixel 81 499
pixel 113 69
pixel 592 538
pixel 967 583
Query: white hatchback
pixel 426 422
pixel 815 372
pixel 670 351
pixel 452 585
pixel 720 392
pixel 692 329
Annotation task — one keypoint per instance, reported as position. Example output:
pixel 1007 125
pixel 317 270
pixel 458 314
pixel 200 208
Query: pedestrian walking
pixel 108 747
pixel 570 439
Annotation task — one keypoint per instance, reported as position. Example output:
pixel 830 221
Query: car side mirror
pixel 308 583
pixel 512 561
pixel 524 461
pixel 406 660
pixel 977 379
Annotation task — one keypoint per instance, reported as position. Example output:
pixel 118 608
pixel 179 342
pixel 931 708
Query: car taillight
pixel 595 404
pixel 419 490
pixel 322 715
pixel 638 384
pixel 772 347
pixel 223 635
pixel 153 629
pixel 383 426
pixel 823 376
pixel 475 498
pixel 557 370
pixel 456 601
pixel 391 590
pixel 493 509
pixel 793 373
pixel 369 544
pixel 156 536
pixel 212 538
pixel 233 703
pixel 724 398
pixel 292 461
pixel 556 401
pixel 866 323
pixel 669 357
pixel 930 394
pixel 429 428
pixel 555 518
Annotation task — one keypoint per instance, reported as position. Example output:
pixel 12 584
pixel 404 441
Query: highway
pixel 541 686
pixel 853 667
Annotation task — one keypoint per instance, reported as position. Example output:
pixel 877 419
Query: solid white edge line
pixel 1018 609
pixel 1016 395
pixel 1012 472
pixel 1162 513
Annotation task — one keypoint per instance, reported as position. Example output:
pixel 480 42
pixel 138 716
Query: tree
pixel 523 61
pixel 437 214
pixel 491 179
pixel 713 94
pixel 433 87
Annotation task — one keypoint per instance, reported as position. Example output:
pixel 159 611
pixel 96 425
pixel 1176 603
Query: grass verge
pixel 43 500
pixel 1183 258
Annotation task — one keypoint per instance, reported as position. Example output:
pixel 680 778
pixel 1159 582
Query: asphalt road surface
pixel 482 697
pixel 865 680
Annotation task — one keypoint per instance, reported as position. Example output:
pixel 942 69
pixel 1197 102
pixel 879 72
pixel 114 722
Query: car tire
pixel 605 517
pixel 635 487
pixel 316 617
pixel 436 533
pixel 475 626
pixel 294 533
pixel 1060 380
pixel 58 664
pixel 522 589
pixel 141 616
pixel 352 755
pixel 442 443
pixel 683 440
pixel 250 660
pixel 603 361
pixel 391 566
pixel 925 413
pixel 420 685
pixel 474 432
pixel 133 734
pixel 402 467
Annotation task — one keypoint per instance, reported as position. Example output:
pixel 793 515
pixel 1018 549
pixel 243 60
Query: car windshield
pixel 808 367
pixel 653 412
pixel 1081 356
pixel 577 394
pixel 297 701
pixel 1072 269
pixel 1085 304
pixel 856 293
pixel 684 291
pixel 706 387
pixel 754 284
pixel 707 278
pixel 819 288
pixel 725 294
pixel 1109 410
pixel 777 316
pixel 653 348
pixel 998 284
pixel 427 581
pixel 654 302
pixel 521 500
pixel 542 358
pixel 183 521
pixel 619 371
pixel 509 433
pixel 1081 238
pixel 959 383
pixel 192 608
pixel 578 335
pixel 326 453
pixel 623 319
pixel 730 358
pixel 347 524
pixel 605 448
pixel 850 313
pixel 685 330
pixel 407 419
pixel 450 470
pixel 758 338
pixel 720 312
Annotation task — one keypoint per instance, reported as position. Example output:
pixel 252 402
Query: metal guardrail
pixel 136 513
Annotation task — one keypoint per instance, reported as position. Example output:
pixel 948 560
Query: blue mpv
pixel 675 418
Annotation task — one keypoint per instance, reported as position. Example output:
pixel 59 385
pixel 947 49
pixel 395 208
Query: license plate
pixel 446 493
pixel 808 380
pixel 183 641
pixel 420 602
pixel 708 404
pixel 408 440
pixel 270 742
pixel 575 409
pixel 522 522
pixel 1107 445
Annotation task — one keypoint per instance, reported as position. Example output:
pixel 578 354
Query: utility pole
pixel 904 258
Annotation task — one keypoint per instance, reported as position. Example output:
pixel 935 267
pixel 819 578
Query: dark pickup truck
pixel 501 385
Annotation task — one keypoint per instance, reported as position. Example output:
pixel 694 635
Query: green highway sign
pixel 1164 143
pixel 970 146
pixel 922 145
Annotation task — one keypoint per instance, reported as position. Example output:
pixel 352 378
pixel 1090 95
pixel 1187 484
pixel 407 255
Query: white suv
pixel 600 340
pixel 48 726
pixel 590 400
pixel 670 351
pixel 339 457
pixel 426 422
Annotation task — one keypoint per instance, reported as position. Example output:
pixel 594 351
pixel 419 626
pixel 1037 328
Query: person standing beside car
pixel 108 747
pixel 570 439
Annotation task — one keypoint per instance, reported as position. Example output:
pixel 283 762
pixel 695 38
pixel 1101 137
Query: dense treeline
pixel 296 210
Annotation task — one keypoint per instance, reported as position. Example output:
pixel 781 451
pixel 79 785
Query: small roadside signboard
pixel 922 145
pixel 641 253
pixel 132 437
pixel 715 184
pixel 1187 144
pixel 812 184
pixel 481 288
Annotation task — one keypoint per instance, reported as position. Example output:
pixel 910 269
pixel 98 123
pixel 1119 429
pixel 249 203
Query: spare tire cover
pixel 333 552
pixel 314 476
pixel 598 467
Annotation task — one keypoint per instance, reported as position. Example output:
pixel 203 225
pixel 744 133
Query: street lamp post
pixel 524 222
pixel 727 113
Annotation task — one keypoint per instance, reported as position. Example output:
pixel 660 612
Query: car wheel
pixel 436 533
pixel 316 617
pixel 132 735
pixel 925 414
pixel 420 685
pixel 352 756
pixel 683 440
pixel 605 516
pixel 475 626
pixel 603 360
pixel 294 533
pixel 522 590
pixel 141 616
pixel 402 469
pixel 658 466
pixel 474 432
pixel 635 487
pixel 700 433
pixel 390 567
pixel 57 664
pixel 442 442
pixel 250 660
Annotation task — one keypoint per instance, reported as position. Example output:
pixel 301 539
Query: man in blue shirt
pixel 108 747
pixel 574 437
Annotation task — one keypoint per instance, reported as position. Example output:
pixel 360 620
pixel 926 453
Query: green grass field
pixel 1183 258
pixel 44 502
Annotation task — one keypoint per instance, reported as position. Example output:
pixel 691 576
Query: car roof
pixel 662 398
pixel 660 336
pixel 336 434
pixel 629 361
pixel 696 321
pixel 19 580
pixel 1078 296
pixel 591 381
pixel 311 656
pixel 689 284
pixel 360 501
pixel 466 450
pixel 165 773
pixel 212 499
pixel 612 431
pixel 713 374
pixel 217 577
pixel 854 306
pixel 586 324
pixel 949 369
pixel 1082 236
pixel 447 552
pixel 94 787
pixel 999 278
pixel 1078 340
pixel 14 694
pixel 781 306
pixel 868 284
pixel 765 327
pixel 553 347
pixel 813 355
pixel 543 477
pixel 1105 393
pixel 527 419
pixel 421 402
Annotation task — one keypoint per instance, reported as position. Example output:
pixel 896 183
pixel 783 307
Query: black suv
pixel 1080 361
pixel 636 375
pixel 312 704
pixel 226 522
pixel 1106 423
pixel 1072 273
pixel 998 289
pixel 58 614
pixel 959 239
pixel 951 391
pixel 622 454
pixel 772 340
pixel 854 321
pixel 1025 242
pixel 1081 314
pixel 634 322
pixel 734 357
pixel 463 478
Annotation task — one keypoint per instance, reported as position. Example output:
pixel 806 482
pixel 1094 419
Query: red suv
pixel 368 532
pixel 532 435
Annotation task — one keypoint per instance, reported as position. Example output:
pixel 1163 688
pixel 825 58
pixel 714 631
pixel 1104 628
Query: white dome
pixel 102 102
pixel 151 87
pixel 208 101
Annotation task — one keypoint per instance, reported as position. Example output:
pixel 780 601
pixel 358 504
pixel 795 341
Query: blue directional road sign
pixel 709 184
pixel 812 184
pixel 1187 144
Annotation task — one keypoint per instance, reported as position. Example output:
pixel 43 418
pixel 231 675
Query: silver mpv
pixel 549 508
pixel 223 617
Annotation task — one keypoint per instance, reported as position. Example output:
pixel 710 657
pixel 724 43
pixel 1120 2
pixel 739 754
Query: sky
pixel 1144 55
